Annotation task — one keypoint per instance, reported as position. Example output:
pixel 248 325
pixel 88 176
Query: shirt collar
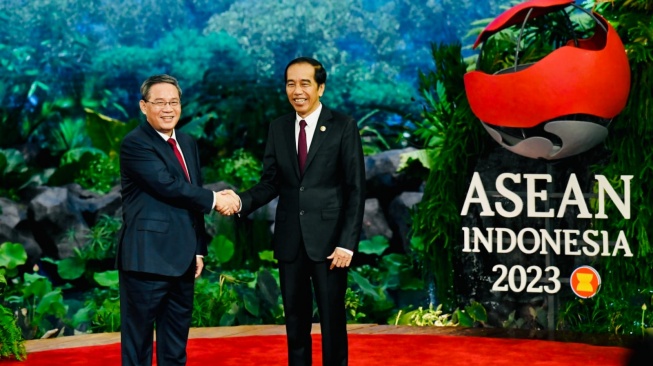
pixel 166 137
pixel 311 119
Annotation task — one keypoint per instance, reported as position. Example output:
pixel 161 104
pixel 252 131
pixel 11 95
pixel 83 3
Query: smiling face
pixel 162 118
pixel 303 91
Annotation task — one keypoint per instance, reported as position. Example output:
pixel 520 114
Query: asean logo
pixel 585 282
pixel 562 104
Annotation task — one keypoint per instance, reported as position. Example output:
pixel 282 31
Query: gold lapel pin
pixel 322 128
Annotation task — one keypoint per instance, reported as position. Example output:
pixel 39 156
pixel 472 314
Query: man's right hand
pixel 227 202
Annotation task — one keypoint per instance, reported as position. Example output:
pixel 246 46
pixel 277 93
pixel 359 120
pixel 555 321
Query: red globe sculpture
pixel 571 94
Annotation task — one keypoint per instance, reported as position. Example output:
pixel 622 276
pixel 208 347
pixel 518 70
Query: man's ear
pixel 320 90
pixel 142 105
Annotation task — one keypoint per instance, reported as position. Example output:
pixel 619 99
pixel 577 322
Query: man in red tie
pixel 163 239
pixel 313 162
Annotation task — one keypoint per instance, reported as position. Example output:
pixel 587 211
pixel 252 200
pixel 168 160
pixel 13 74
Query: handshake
pixel 227 202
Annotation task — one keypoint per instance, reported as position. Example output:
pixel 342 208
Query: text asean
pixel 573 196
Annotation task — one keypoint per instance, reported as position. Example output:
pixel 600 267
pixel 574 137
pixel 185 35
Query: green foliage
pixel 42 305
pixel 475 311
pixel 94 168
pixel 221 248
pixel 210 51
pixel 106 133
pixel 353 301
pixel 604 313
pixel 472 315
pixel 407 158
pixel 12 255
pixel 375 245
pixel 15 175
pixel 368 77
pixel 237 298
pixel 375 283
pixel 242 169
pixel 453 138
pixel 539 37
pixel 102 305
pixel 87 261
pixel 12 343
pixel 621 305
pixel 91 168
pixel 46 306
pixel 536 318
pixel 429 317
pixel 372 137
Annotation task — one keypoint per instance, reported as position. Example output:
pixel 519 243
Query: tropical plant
pixel 101 311
pixel 237 297
pixel 620 306
pixel 15 175
pixel 379 283
pixel 425 317
pixel 12 343
pixel 41 306
pixel 473 314
pixel 242 170
pixel 452 143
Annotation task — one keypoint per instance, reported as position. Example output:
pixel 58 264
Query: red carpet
pixel 365 350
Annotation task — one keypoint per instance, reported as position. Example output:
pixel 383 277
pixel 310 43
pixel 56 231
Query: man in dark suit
pixel 163 239
pixel 314 163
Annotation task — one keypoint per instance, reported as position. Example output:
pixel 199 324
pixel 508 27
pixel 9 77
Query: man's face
pixel 162 118
pixel 302 89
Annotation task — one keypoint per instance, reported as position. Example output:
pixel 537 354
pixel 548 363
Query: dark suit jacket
pixel 163 225
pixel 324 207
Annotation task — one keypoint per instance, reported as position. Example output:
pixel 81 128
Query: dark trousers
pixel 147 299
pixel 330 287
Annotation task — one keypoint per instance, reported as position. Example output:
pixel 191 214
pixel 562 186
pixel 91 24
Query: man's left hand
pixel 340 258
pixel 199 265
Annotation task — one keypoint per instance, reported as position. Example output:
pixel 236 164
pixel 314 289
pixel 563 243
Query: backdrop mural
pixel 468 222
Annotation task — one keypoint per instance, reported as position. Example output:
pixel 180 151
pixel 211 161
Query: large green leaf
pixel 365 285
pixel 12 255
pixel 222 248
pixel 229 317
pixel 195 127
pixel 107 133
pixel 71 268
pixel 83 315
pixel 267 288
pixel 252 303
pixel 267 256
pixel 375 245
pixel 36 285
pixel 476 311
pixel 52 304
pixel 462 318
pixel 73 162
pixel 107 278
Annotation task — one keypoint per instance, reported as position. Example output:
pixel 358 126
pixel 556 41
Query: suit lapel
pixel 324 124
pixel 160 144
pixel 291 144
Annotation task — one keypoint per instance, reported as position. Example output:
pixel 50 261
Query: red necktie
pixel 173 145
pixel 302 150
